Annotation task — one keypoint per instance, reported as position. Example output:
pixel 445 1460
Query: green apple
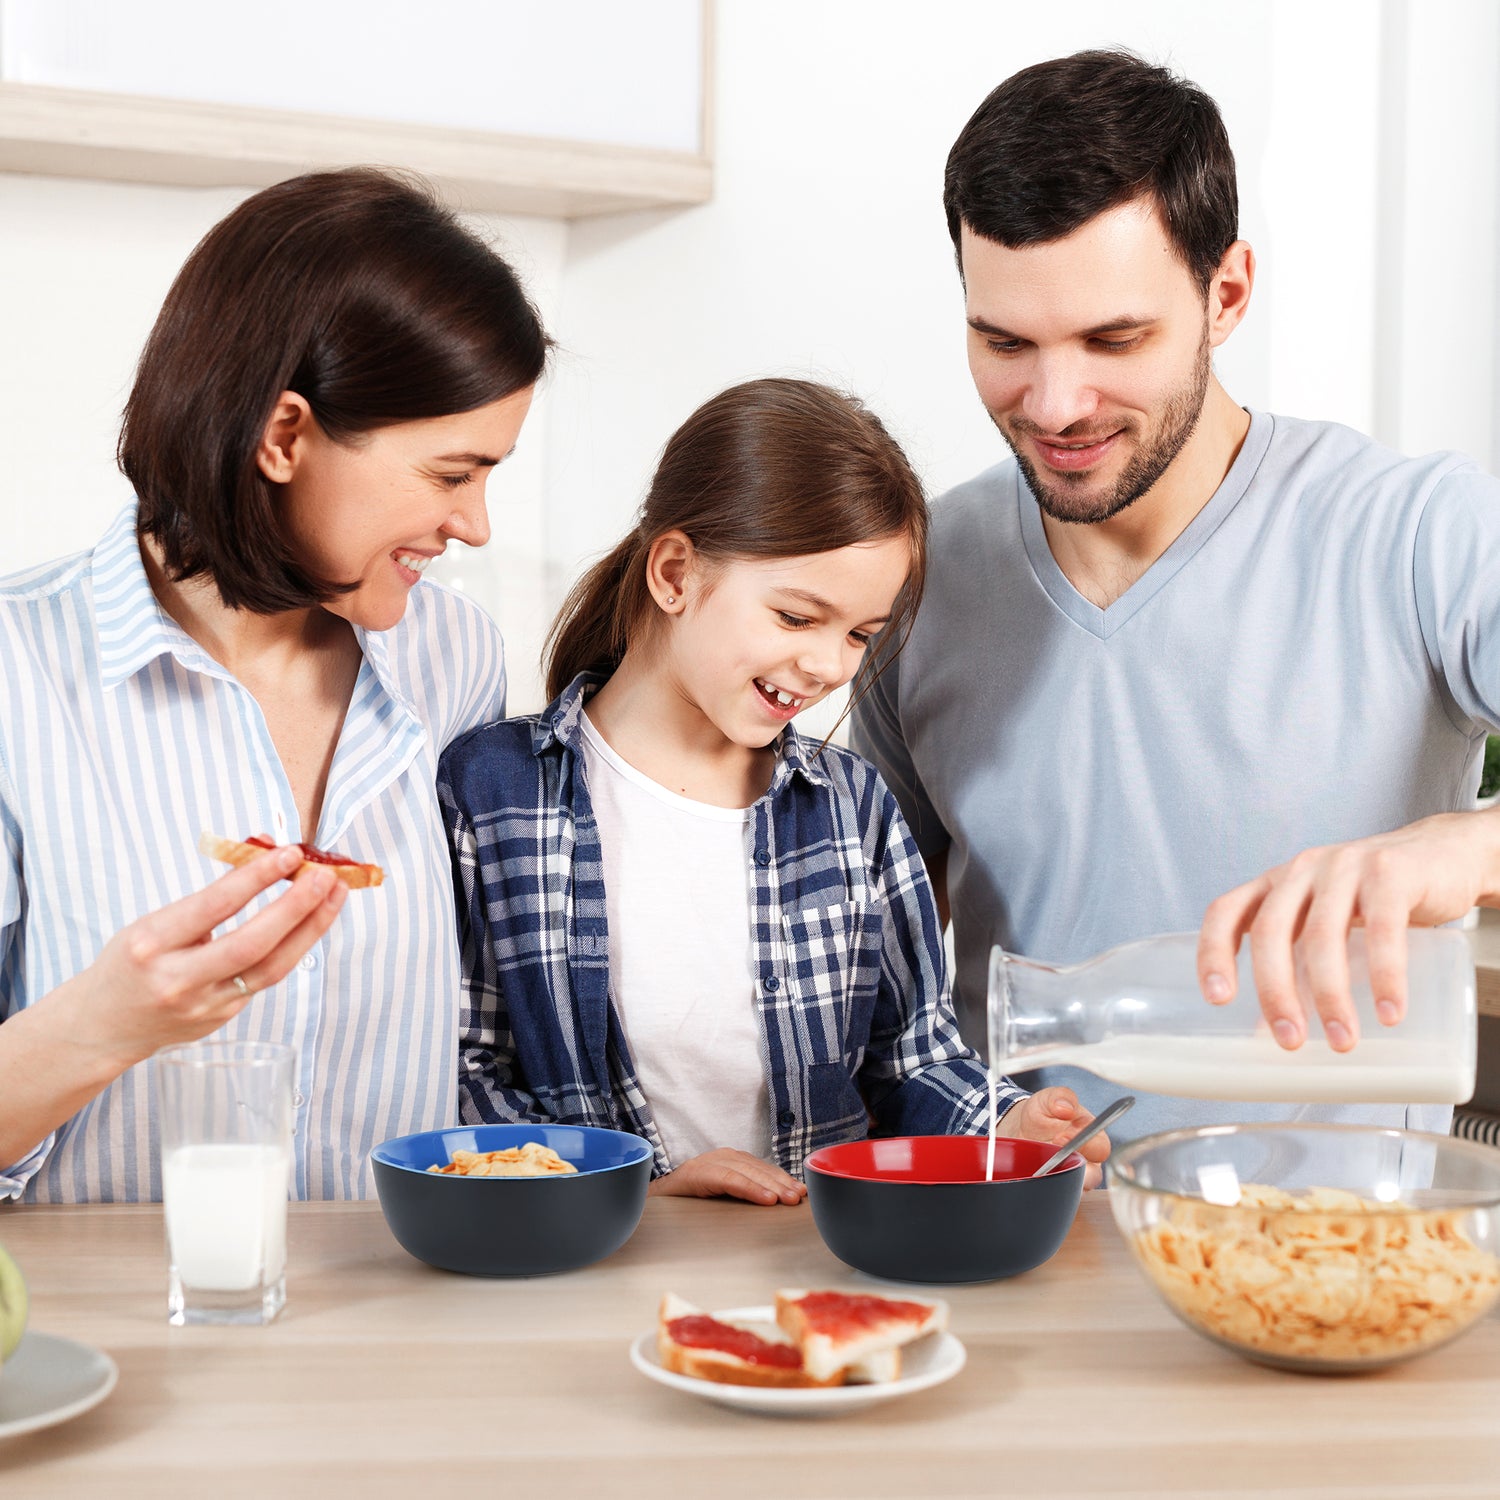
pixel 13 1302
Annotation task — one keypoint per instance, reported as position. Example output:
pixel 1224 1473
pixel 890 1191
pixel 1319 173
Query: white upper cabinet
pixel 556 107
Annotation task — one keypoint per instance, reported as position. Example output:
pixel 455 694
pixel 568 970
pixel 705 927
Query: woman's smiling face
pixel 376 510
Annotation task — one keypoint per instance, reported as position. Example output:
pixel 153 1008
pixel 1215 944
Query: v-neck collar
pixel 1105 622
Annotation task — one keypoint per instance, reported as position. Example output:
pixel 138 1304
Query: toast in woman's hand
pixel 837 1329
pixel 355 875
pixel 691 1342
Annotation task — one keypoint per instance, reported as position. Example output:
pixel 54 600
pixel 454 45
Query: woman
pixel 334 374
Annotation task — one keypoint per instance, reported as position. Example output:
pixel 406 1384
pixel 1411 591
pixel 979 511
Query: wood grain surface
pixel 386 1378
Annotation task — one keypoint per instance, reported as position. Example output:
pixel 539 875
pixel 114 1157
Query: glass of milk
pixel 225 1112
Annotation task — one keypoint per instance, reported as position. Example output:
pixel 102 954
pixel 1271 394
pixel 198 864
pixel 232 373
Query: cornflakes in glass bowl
pixel 1326 1248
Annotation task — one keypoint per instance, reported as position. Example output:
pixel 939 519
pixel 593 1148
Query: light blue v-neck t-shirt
pixel 1315 658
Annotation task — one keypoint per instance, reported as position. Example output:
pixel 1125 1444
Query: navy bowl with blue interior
pixel 513 1226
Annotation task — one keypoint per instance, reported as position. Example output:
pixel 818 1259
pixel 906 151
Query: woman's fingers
pixel 264 949
pixel 194 917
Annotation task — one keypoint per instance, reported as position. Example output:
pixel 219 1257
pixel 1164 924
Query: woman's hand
pixel 167 979
pixel 1055 1116
pixel 727 1173
pixel 163 979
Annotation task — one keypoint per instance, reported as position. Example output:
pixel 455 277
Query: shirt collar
pixel 559 724
pixel 134 630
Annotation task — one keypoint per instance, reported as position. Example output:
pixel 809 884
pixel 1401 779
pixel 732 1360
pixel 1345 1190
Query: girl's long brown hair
pixel 770 468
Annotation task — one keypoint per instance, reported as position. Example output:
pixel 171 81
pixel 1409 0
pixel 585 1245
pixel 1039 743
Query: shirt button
pixel 772 984
pixel 310 961
pixel 298 1099
pixel 787 1117
pixel 762 856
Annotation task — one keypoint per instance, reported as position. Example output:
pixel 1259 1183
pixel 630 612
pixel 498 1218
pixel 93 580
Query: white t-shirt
pixel 677 899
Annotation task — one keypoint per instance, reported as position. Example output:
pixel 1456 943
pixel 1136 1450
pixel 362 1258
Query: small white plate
pixel 928 1361
pixel 50 1379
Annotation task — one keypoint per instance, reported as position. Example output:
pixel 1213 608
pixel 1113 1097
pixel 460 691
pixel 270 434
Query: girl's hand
pixel 727 1173
pixel 1055 1116
pixel 166 978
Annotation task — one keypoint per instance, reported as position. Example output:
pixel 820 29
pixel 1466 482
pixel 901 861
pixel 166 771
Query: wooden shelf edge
pixel 119 137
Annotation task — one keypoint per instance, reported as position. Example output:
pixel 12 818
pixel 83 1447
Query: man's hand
pixel 727 1173
pixel 1055 1116
pixel 1421 875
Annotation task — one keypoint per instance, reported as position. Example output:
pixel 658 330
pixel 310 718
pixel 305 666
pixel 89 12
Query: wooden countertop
pixel 386 1378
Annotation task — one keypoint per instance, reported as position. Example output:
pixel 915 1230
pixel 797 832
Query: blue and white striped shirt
pixel 121 740
pixel 851 986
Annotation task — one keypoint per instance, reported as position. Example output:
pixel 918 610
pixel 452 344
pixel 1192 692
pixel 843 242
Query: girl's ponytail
pixel 591 629
pixel 770 468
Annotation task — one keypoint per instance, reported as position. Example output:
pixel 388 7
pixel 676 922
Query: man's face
pixel 1092 356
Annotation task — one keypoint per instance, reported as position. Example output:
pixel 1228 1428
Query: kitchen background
pixel 1367 134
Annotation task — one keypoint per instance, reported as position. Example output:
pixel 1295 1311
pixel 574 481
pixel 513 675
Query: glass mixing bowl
pixel 1328 1248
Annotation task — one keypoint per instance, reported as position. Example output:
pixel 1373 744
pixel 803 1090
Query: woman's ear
pixel 284 440
pixel 669 564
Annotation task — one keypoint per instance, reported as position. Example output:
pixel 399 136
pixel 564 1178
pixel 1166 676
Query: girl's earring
pixel 671 599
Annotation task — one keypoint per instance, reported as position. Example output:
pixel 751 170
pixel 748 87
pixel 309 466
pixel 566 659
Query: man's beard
pixel 1061 495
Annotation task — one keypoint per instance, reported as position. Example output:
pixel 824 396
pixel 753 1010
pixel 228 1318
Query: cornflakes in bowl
pixel 1329 1248
pixel 529 1200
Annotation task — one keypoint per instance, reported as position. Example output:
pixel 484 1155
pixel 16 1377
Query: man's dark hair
pixel 357 290
pixel 1060 142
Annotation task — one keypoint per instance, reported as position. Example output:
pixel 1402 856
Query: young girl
pixel 677 917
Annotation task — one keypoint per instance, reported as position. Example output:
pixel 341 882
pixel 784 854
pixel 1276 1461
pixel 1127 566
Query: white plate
pixel 50 1379
pixel 928 1361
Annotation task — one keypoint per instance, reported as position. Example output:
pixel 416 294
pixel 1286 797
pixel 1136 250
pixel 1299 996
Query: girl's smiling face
pixel 753 641
pixel 376 510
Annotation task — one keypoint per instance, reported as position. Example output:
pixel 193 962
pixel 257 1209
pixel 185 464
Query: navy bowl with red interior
pixel 918 1208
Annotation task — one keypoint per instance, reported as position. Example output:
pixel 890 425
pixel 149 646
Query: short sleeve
pixel 1456 579
pixel 876 733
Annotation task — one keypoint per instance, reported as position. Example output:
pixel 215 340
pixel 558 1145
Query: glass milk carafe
pixel 1136 1016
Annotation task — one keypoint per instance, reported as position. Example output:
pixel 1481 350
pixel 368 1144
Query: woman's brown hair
pixel 770 468
pixel 355 289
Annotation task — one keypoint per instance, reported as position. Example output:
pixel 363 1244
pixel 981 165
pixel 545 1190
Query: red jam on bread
pixel 690 1342
pixel 355 875
pixel 837 1329
pixel 699 1331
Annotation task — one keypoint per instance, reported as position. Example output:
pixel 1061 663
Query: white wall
pixel 1369 151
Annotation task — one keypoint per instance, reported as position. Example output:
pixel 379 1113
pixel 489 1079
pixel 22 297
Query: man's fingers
pixel 194 917
pixel 1325 952
pixel 1385 908
pixel 1272 934
pixel 1224 925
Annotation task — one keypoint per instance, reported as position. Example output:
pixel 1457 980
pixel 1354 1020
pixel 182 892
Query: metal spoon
pixel 1106 1116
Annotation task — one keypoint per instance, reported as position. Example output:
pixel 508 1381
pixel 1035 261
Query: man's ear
pixel 284 440
pixel 1229 291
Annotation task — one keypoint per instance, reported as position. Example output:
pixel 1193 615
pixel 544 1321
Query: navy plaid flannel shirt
pixel 852 991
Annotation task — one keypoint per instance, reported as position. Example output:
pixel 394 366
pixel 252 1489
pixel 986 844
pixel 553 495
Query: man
pixel 1173 643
